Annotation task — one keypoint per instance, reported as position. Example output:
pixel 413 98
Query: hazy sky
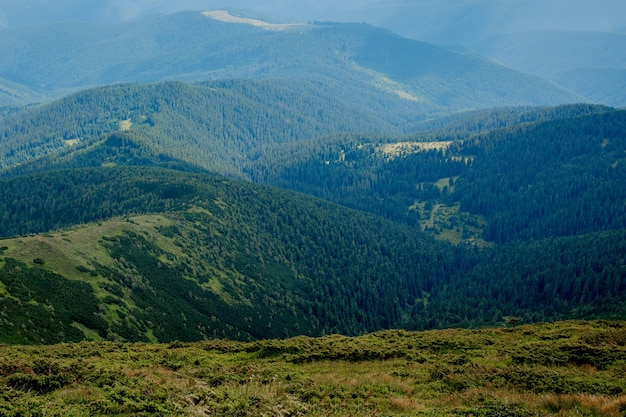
pixel 436 20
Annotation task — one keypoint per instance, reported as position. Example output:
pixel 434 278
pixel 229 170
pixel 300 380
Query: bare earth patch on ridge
pixel 224 16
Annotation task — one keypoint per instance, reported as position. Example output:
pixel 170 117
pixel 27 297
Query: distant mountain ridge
pixel 592 64
pixel 49 61
pixel 215 125
pixel 439 21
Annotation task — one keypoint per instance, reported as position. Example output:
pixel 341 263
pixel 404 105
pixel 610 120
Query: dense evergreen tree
pixel 557 178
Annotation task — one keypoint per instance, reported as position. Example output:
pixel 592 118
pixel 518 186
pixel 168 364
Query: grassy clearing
pixel 71 142
pixel 225 16
pixel 79 254
pixel 65 252
pixel 125 125
pixel 400 149
pixel 564 369
pixel 449 223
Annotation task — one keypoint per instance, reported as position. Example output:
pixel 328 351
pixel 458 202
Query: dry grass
pixel 457 372
pixel 71 142
pixel 125 125
pixel 395 150
pixel 224 16
pixel 404 404
pixel 598 405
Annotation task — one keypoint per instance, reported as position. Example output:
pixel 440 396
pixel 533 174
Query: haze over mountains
pixel 49 61
pixel 439 21
pixel 574 44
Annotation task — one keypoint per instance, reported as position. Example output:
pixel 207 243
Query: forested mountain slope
pixel 557 178
pixel 214 125
pixel 199 256
pixel 494 186
pixel 443 178
pixel 54 59
pixel 532 180
pixel 219 125
pixel 113 229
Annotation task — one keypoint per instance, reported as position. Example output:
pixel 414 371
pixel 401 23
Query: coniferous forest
pixel 525 220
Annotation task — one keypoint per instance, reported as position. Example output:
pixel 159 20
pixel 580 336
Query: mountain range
pixel 592 64
pixel 50 61
pixel 440 21
pixel 215 175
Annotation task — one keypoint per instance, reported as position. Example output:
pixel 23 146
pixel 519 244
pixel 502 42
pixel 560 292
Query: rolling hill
pixel 557 172
pixel 103 240
pixel 226 179
pixel 214 125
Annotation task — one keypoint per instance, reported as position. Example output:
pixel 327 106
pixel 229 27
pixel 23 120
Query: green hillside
pixel 536 178
pixel 196 256
pixel 562 369
pixel 556 178
pixel 532 198
pixel 260 249
pixel 201 217
pixel 447 218
pixel 214 125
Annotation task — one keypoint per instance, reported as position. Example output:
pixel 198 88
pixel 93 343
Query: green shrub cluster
pixel 392 373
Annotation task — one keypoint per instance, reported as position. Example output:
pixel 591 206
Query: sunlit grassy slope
pixel 565 369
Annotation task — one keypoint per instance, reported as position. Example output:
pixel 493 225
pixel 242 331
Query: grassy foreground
pixel 565 368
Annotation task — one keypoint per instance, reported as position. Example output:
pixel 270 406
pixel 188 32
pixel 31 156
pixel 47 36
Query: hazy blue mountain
pixel 550 53
pixel 514 33
pixel 55 59
pixel 591 63
pixel 465 22
pixel 441 21
pixel 576 44
pixel 4 23
pixel 12 93
pixel 602 85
